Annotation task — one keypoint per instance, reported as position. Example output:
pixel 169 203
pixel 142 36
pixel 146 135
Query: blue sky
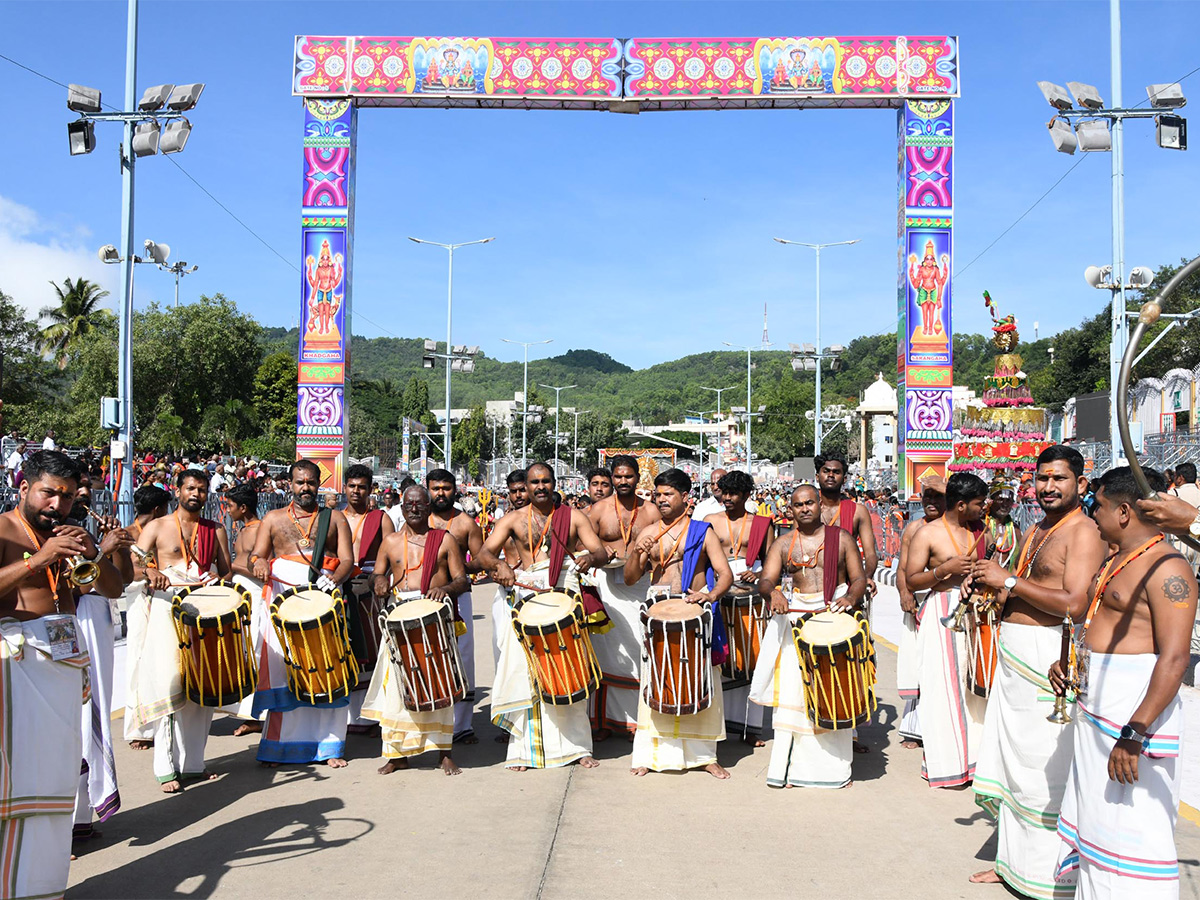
pixel 647 237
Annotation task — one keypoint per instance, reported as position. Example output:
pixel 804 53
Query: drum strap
pixel 318 557
pixel 829 570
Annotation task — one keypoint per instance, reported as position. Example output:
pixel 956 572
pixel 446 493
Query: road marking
pixel 1190 813
pixel 882 640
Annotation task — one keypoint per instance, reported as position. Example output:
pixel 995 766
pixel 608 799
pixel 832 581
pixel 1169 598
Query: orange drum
pixel 678 638
pixel 553 633
pixel 746 617
pixel 838 663
pixel 983 653
pixel 311 626
pixel 216 652
pixel 419 634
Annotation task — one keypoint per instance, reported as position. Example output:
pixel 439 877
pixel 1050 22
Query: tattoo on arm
pixel 1177 591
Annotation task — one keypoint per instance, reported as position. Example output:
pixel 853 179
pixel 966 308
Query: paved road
pixel 563 833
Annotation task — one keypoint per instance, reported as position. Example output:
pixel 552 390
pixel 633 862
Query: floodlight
pixel 835 348
pixel 1055 95
pixel 1171 132
pixel 83 99
pixel 808 348
pixel 472 350
pixel 154 98
pixel 81 136
pixel 145 139
pixel 1166 96
pixel 430 346
pixel 1140 277
pixel 1093 135
pixel 459 349
pixel 1098 276
pixel 184 97
pixel 1086 95
pixel 427 362
pixel 795 348
pixel 1062 135
pixel 175 135
pixel 108 254
pixel 158 253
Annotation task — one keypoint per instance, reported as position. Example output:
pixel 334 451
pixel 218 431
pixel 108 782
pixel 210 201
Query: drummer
pixel 299 545
pixel 413 562
pixel 547 534
pixel 518 498
pixel 825 570
pixel 685 558
pixel 188 549
pixel 599 483
pixel 619 518
pixel 745 538
pixel 368 528
pixel 443 492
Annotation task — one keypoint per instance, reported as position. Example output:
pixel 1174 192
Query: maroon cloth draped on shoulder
pixel 370 530
pixel 829 567
pixel 206 544
pixel 433 543
pixel 560 533
pixel 846 515
pixel 756 543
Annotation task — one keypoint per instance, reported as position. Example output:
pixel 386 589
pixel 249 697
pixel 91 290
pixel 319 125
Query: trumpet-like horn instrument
pixel 1060 716
pixel 1148 316
pixel 82 572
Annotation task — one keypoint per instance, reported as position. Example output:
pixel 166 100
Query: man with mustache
pixel 849 515
pixel 1024 759
pixel 685 559
pixel 443 491
pixel 618 519
pixel 187 549
pixel 289 552
pixel 599 483
pixel 242 503
pixel 547 534
pixel 43 663
pixel 415 561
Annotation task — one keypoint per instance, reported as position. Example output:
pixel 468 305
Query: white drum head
pixel 546 609
pixel 827 628
pixel 305 606
pixel 675 609
pixel 417 608
pixel 211 601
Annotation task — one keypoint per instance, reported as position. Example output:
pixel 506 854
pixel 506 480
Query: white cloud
pixel 35 251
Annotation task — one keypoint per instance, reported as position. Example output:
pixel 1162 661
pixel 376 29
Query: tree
pixel 78 312
pixel 224 423
pixel 415 403
pixel 27 381
pixel 472 441
pixel 274 400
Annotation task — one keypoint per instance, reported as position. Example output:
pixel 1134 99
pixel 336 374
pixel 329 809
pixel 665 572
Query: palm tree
pixel 78 313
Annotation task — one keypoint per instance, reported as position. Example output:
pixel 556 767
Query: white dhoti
pixel 1024 761
pixel 951 716
pixel 137 616
pixel 908 672
pixel 542 735
pixel 619 651
pixel 464 709
pixel 405 732
pixel 97 793
pixel 293 732
pixel 40 749
pixel 802 755
pixel 1119 839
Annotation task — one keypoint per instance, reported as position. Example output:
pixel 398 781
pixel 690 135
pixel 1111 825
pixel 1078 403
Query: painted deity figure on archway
pixel 324 275
pixel 929 280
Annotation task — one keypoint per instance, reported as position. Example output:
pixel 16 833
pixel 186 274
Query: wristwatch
pixel 1129 734
pixel 95 559
pixel 1010 582
pixel 1194 528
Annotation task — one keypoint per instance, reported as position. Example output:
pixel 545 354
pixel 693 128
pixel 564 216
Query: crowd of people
pixel 1076 727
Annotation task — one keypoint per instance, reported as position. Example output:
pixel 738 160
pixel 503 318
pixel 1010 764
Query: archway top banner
pixel 627 74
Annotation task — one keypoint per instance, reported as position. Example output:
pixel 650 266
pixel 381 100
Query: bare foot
pixel 466 737
pixel 247 728
pixel 517 768
pixel 601 734
pixel 639 771
pixel 630 735
pixel 393 765
pixel 141 745
pixel 986 877
pixel 589 762
pixel 716 770
pixel 501 738
pixel 789 786
pixel 754 741
pixel 172 787
pixel 448 765
pixel 911 745
pixel 336 763
pixel 861 748
pixel 847 785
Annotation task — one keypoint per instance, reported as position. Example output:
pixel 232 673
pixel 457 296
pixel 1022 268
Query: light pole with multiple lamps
pixel 458 358
pixel 449 319
pixel 718 392
pixel 178 269
pixel 143 136
pixel 822 355
pixel 570 410
pixel 749 412
pixel 1092 132
pixel 525 395
pixel 557 433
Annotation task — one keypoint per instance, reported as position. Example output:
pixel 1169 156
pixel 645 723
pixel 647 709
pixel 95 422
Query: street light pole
pixel 125 323
pixel 1120 322
pixel 818 248
pixel 557 433
pixel 449 318
pixel 718 392
pixel 525 394
pixel 575 451
pixel 749 408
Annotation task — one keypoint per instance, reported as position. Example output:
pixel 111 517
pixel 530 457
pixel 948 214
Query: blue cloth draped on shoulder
pixel 691 559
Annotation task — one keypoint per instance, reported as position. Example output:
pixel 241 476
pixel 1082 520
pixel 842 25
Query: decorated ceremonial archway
pixel 915 75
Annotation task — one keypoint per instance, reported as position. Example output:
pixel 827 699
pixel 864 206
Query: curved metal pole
pixel 1148 316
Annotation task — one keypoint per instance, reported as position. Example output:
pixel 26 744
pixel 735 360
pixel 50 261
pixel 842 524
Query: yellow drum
pixel 311 626
pixel 838 663
pixel 216 649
